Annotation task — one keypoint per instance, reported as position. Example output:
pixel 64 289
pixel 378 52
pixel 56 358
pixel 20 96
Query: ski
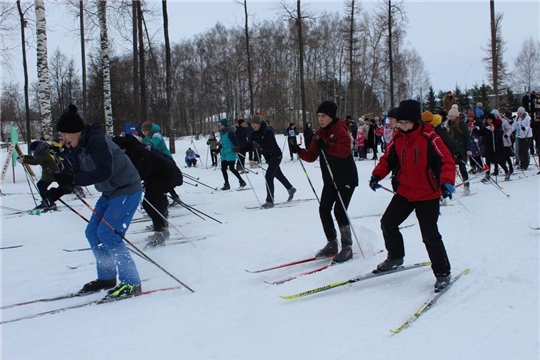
pixel 145 219
pixel 50 299
pixel 355 279
pixel 532 227
pixel 292 263
pixel 10 247
pixel 88 303
pixel 167 242
pixel 281 204
pixel 316 270
pixel 427 305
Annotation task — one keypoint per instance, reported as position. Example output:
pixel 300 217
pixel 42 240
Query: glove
pixel 522 128
pixel 295 149
pixel 53 194
pixel 235 149
pixel 475 140
pixel 447 191
pixel 20 159
pixel 321 144
pixel 374 182
pixel 256 146
pixel 505 136
pixel 64 179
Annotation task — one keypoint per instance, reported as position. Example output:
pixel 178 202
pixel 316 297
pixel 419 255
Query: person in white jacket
pixel 522 127
pixel 507 140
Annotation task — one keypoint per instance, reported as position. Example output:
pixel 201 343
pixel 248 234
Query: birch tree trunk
pixel 44 90
pixel 107 103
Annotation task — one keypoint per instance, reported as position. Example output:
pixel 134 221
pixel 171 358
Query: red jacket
pixel 421 163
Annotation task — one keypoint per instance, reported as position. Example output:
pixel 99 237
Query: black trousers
pixel 230 166
pixel 42 188
pixel 463 170
pixel 274 171
pixel 523 148
pixel 154 193
pixel 427 213
pixel 329 200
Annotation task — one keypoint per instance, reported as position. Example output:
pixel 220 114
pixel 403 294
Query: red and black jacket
pixel 421 162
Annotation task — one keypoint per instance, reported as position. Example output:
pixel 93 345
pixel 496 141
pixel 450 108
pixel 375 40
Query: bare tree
pixel 105 63
pixel 170 121
pixel 42 68
pixel 24 23
pixel 527 65
pixel 83 55
pixel 352 8
pixel 8 28
pixel 494 63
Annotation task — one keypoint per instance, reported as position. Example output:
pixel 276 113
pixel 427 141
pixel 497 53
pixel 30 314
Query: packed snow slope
pixel 492 313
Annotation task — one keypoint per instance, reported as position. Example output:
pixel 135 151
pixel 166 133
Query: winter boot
pixel 486 179
pixel 155 240
pixel 267 205
pixel 242 184
pixel 41 206
pixel 442 282
pixel 331 249
pixel 466 190
pixel 291 192
pixel 123 291
pixel 97 285
pixel 388 264
pixel 507 176
pixel 345 254
pixel 226 187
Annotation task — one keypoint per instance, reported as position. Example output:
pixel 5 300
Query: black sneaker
pixel 122 291
pixel 267 205
pixel 345 254
pixel 442 282
pixel 291 192
pixel 226 187
pixel 331 249
pixel 387 265
pixel 242 184
pixel 97 285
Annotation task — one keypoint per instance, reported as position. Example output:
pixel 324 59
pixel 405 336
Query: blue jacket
pixel 101 162
pixel 228 139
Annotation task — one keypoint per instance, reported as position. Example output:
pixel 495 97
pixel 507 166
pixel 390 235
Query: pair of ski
pixel 76 306
pixel 167 242
pixel 281 204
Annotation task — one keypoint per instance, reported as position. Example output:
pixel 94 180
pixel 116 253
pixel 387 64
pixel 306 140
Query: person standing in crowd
pixel 157 175
pixel 263 140
pixel 214 150
pixel 308 134
pixel 479 111
pixel 507 139
pixel 522 127
pixel 360 144
pixel 371 138
pixel 228 150
pixel 535 128
pixel 340 177
pixel 492 134
pixel 421 179
pixel 242 144
pixel 477 149
pixel 151 135
pixel 460 134
pixel 448 101
pixel 291 132
pixel 101 163
pixel 40 155
pixel 526 101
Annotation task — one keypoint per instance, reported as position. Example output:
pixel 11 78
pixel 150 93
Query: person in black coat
pixel 308 134
pixel 158 176
pixel 291 132
pixel 494 152
pixel 242 138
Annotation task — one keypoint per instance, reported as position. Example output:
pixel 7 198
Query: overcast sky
pixel 448 35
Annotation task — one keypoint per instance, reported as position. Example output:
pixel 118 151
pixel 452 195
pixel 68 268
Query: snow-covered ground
pixel 492 313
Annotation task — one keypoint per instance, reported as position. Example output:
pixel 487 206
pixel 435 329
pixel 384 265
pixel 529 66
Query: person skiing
pixel 213 143
pixel 191 158
pixel 40 155
pixel 229 149
pixel 101 163
pixel 263 140
pixel 332 146
pixel 158 176
pixel 425 170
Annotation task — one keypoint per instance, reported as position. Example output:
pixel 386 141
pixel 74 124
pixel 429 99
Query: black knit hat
pixel 409 110
pixel 70 122
pixel 329 108
pixel 393 113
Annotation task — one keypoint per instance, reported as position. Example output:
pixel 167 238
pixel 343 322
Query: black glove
pixel 53 194
pixel 505 136
pixel 64 179
pixel 256 146
pixel 522 128
pixel 295 149
pixel 235 149
pixel 374 182
pixel 321 144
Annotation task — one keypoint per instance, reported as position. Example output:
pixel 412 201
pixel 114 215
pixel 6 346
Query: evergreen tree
pixel 461 99
pixel 440 98
pixel 430 101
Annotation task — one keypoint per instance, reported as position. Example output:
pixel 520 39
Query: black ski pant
pixel 230 165
pixel 329 199
pixel 523 148
pixel 274 171
pixel 463 171
pixel 427 213
pixel 42 188
pixel 155 201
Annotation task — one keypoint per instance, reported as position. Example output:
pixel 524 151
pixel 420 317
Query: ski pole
pixel 308 179
pixel 194 146
pixel 194 210
pixel 131 244
pixel 250 183
pixel 30 187
pixel 200 182
pixel 245 168
pixel 341 201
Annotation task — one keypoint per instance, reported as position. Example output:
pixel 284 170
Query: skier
pixel 291 132
pixel 103 164
pixel 333 147
pixel 213 143
pixel 158 176
pixel 263 140
pixel 191 158
pixel 460 134
pixel 40 156
pixel 425 169
pixel 228 150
